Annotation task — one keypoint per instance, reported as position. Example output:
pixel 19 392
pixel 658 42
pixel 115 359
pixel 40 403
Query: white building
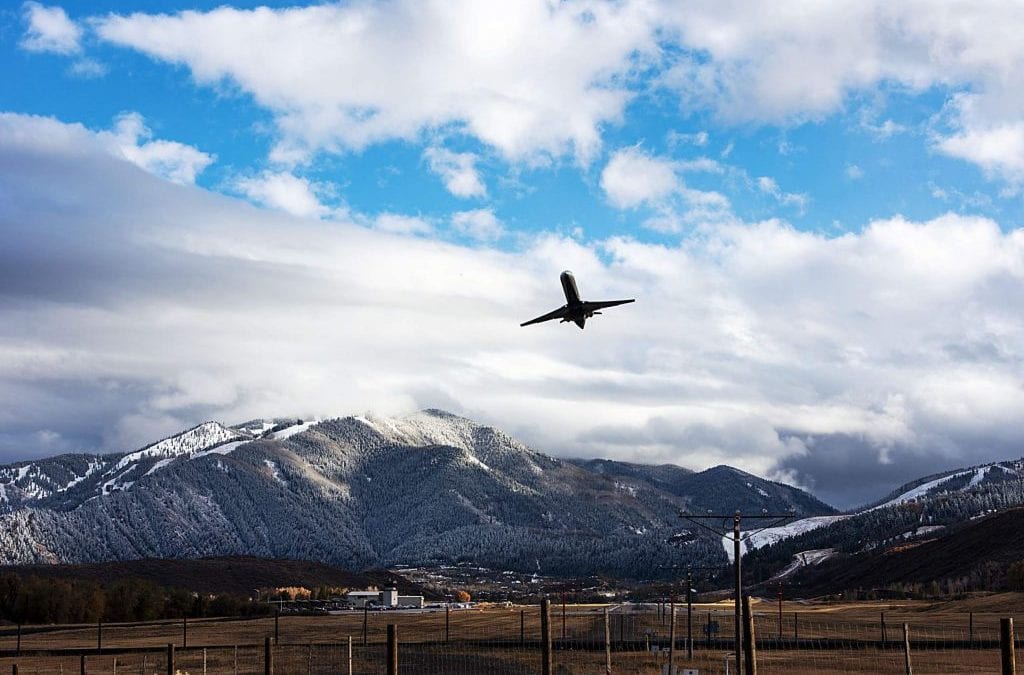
pixel 410 601
pixel 389 597
pixel 364 598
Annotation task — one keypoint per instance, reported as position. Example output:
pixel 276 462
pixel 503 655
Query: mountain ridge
pixel 364 491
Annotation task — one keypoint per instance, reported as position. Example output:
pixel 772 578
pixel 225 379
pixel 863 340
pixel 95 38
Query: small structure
pixel 388 598
pixel 364 598
pixel 415 601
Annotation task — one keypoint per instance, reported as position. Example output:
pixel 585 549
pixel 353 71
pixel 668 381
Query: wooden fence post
pixel 906 650
pixel 277 621
pixel 268 657
pixel 563 615
pixel 970 629
pixel 545 632
pixel 883 630
pixel 184 632
pixel 19 639
pixel 447 623
pixel 170 660
pixel 14 669
pixel 796 630
pixel 672 635
pixel 366 623
pixel 522 628
pixel 81 666
pixel 607 643
pixel 392 649
pixel 749 645
pixel 349 655
pixel 99 634
pixel 1006 646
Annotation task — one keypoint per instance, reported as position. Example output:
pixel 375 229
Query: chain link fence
pixel 583 640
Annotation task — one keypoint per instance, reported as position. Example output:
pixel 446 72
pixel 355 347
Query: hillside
pixel 923 509
pixel 967 552
pixel 367 492
pixel 240 575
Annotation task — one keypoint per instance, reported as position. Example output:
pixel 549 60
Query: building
pixel 410 601
pixel 388 598
pixel 364 598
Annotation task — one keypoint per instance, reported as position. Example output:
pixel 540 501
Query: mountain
pixel 703 491
pixel 972 555
pixel 924 508
pixel 366 491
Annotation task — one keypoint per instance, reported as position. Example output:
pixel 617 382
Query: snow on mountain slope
pixel 189 442
pixel 426 487
pixel 39 480
pixel 291 430
pixel 129 468
pixel 772 535
pixel 955 481
pixel 803 559
pixel 426 427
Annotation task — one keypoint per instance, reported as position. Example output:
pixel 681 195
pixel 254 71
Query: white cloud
pixel 88 68
pixel 853 172
pixel 534 79
pixel 478 224
pixel 770 186
pixel 699 138
pixel 397 223
pixel 998 150
pixel 50 30
pixel 286 192
pixel 457 170
pixel 740 60
pixel 883 131
pixel 537 80
pixel 174 161
pixel 633 177
pixel 136 307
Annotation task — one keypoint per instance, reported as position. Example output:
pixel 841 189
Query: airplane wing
pixel 557 314
pixel 601 304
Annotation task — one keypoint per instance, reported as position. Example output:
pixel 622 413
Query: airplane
pixel 574 309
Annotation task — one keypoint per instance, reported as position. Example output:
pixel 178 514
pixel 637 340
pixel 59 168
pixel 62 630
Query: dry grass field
pixel 829 638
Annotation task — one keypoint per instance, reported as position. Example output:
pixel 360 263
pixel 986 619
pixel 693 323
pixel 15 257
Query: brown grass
pixel 487 640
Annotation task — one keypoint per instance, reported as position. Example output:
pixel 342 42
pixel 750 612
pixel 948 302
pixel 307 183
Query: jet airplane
pixel 574 309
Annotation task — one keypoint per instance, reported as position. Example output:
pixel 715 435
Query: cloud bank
pixel 132 306
pixel 537 81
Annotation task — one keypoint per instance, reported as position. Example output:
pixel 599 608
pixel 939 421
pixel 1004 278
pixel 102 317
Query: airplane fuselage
pixel 574 310
pixel 573 304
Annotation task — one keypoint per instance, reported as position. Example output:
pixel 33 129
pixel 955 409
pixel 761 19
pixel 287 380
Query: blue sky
pixel 844 170
pixel 725 162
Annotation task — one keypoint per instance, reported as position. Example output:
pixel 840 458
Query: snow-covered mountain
pixel 367 491
pixel 921 509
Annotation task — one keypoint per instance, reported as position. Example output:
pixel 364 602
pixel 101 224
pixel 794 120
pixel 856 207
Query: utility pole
pixel 737 558
pixel 737 539
pixel 689 615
